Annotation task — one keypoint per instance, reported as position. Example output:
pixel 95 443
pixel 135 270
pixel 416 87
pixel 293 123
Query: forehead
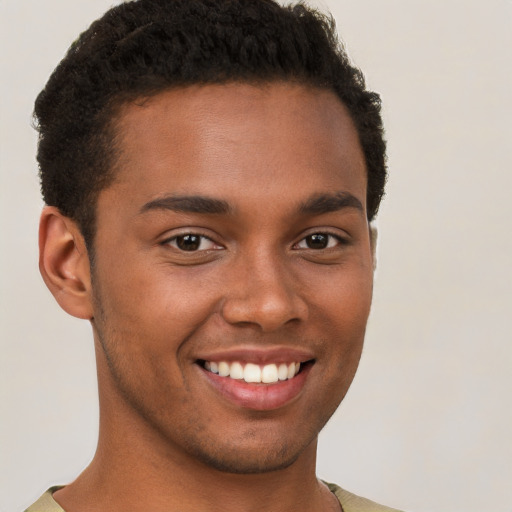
pixel 223 139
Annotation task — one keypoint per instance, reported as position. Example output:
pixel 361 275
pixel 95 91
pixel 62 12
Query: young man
pixel 210 170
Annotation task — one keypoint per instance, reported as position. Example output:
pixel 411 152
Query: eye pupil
pixel 188 242
pixel 317 241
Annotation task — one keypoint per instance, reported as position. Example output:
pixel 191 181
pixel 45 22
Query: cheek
pixel 151 307
pixel 342 293
pixel 339 311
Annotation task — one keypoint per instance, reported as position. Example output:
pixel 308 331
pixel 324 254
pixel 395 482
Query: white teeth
pixel 269 374
pixel 224 369
pixel 282 371
pixel 236 371
pixel 253 373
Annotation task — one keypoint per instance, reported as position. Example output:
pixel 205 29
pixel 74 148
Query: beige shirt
pixel 349 502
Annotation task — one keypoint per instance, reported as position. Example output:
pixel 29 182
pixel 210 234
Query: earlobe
pixel 64 263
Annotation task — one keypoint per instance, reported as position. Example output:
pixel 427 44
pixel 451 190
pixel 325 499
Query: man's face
pixel 235 237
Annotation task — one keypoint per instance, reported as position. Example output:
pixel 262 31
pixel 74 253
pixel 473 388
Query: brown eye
pixel 191 242
pixel 318 241
pixel 188 242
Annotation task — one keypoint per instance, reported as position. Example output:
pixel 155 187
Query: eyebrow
pixel 188 204
pixel 315 205
pixel 326 203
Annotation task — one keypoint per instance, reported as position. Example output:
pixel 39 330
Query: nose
pixel 262 292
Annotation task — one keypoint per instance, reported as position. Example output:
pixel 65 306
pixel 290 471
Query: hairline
pixel 112 114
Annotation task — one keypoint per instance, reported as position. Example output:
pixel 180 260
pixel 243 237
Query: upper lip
pixel 259 355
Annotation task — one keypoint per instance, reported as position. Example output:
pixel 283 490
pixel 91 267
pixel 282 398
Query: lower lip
pixel 259 397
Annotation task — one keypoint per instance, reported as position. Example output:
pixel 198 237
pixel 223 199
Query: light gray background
pixel 427 424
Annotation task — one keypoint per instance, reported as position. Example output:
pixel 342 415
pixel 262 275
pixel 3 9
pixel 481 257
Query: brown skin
pixel 168 440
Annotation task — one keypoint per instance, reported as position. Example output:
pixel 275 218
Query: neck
pixel 125 475
pixel 136 469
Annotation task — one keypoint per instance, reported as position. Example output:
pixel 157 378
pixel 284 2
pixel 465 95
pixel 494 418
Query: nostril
pixel 268 313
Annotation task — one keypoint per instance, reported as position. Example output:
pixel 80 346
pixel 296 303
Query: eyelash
pixel 202 239
pixel 330 237
pixel 173 242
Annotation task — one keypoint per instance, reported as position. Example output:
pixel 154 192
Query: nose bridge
pixel 263 291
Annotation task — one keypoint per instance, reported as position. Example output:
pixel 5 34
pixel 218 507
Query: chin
pixel 244 462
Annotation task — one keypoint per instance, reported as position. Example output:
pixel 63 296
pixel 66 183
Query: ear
pixel 64 263
pixel 373 244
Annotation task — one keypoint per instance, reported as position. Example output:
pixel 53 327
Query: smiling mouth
pixel 253 373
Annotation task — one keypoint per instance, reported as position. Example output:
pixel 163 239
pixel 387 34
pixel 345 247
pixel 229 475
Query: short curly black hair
pixel 140 48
